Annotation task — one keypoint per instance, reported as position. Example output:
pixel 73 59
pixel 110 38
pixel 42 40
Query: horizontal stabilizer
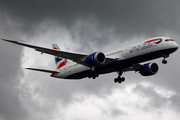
pixel 43 70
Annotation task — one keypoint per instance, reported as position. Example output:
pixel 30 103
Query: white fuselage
pixel 154 46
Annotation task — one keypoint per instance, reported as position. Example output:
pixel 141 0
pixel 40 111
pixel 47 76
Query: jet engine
pixel 149 69
pixel 95 59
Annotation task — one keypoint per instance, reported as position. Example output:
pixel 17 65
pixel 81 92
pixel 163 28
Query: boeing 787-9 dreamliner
pixel 120 60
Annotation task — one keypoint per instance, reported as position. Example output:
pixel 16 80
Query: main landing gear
pixel 93 75
pixel 165 61
pixel 119 79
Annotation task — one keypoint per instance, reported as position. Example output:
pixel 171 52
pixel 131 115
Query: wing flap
pixel 135 67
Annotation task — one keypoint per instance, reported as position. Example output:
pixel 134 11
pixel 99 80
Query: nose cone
pixel 175 46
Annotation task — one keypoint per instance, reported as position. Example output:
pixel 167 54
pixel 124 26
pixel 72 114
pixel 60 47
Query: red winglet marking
pixel 153 40
pixel 62 64
pixel 55 48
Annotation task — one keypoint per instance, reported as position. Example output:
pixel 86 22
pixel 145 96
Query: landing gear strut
pixel 93 75
pixel 119 79
pixel 165 61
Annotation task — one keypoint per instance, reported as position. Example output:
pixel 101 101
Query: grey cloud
pixel 35 103
pixel 11 107
pixel 66 91
pixel 114 112
pixel 156 100
pixel 128 18
pixel 175 102
pixel 168 75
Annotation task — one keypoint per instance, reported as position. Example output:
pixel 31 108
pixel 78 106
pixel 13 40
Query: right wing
pixel 76 57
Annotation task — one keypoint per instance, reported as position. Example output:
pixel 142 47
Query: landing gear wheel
pixel 116 80
pixel 122 79
pixel 164 61
pixel 119 79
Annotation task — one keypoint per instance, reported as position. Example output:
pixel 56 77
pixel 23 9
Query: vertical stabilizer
pixel 60 62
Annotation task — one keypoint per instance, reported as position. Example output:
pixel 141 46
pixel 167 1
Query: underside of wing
pixel 76 57
pixel 135 67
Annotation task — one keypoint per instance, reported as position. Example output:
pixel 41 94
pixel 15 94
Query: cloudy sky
pixel 86 26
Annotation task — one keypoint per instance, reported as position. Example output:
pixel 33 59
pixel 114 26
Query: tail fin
pixel 60 62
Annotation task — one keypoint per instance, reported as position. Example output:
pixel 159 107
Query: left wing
pixel 76 57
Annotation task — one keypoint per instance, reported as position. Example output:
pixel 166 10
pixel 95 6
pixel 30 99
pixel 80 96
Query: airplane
pixel 120 60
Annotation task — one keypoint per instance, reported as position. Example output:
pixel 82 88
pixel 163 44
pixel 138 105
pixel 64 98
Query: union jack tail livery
pixel 60 62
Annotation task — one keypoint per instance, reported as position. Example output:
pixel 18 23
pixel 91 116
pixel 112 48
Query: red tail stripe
pixel 153 40
pixel 55 48
pixel 52 75
pixel 62 64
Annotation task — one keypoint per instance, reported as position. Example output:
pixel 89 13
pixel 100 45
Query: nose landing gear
pixel 165 61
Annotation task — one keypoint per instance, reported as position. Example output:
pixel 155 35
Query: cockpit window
pixel 169 40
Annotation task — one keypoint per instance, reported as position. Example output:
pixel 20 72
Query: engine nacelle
pixel 149 69
pixel 95 59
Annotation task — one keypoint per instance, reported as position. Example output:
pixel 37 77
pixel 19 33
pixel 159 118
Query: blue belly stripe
pixel 123 63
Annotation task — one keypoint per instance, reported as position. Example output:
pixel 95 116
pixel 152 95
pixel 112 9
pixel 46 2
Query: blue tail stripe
pixel 57 60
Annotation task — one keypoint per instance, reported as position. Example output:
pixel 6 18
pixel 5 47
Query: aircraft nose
pixel 175 45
